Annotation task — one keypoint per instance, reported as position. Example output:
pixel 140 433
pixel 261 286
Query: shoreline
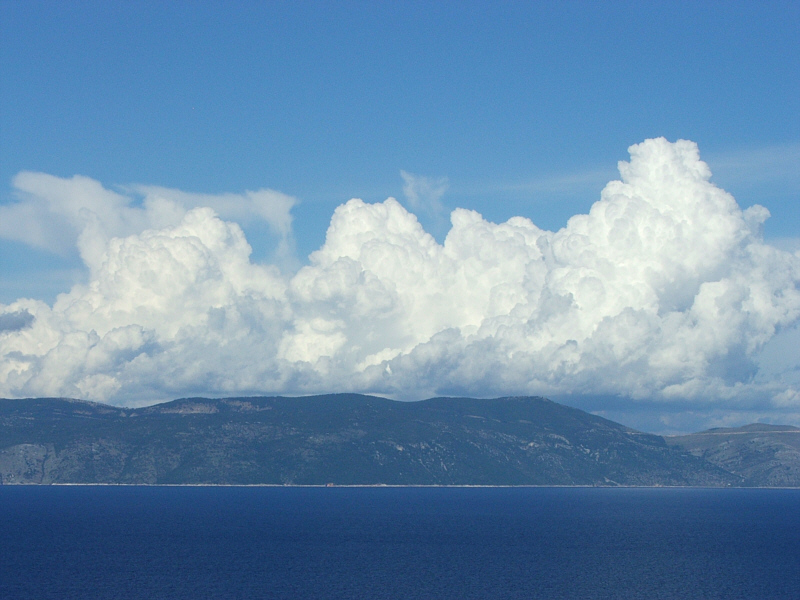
pixel 387 485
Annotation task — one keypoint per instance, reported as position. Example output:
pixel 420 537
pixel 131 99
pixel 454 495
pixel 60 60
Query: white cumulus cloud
pixel 665 290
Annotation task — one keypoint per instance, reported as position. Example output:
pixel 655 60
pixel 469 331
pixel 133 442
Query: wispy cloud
pixel 789 244
pixel 565 183
pixel 61 214
pixel 753 166
pixel 424 194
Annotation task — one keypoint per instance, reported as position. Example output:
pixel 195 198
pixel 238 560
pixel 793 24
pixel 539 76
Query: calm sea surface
pixel 444 543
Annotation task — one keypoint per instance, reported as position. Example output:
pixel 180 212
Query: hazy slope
pixel 762 455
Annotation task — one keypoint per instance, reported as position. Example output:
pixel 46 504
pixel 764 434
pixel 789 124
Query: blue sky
pixel 507 109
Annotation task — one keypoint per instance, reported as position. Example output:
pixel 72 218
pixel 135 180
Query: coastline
pixel 410 486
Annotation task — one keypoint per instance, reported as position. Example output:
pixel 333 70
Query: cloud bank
pixel 665 290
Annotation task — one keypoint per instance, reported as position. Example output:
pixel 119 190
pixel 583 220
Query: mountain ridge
pixel 343 439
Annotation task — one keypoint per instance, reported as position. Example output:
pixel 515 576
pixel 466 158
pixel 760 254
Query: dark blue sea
pixel 403 543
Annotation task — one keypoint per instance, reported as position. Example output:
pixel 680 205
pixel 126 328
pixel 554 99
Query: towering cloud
pixel 664 290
